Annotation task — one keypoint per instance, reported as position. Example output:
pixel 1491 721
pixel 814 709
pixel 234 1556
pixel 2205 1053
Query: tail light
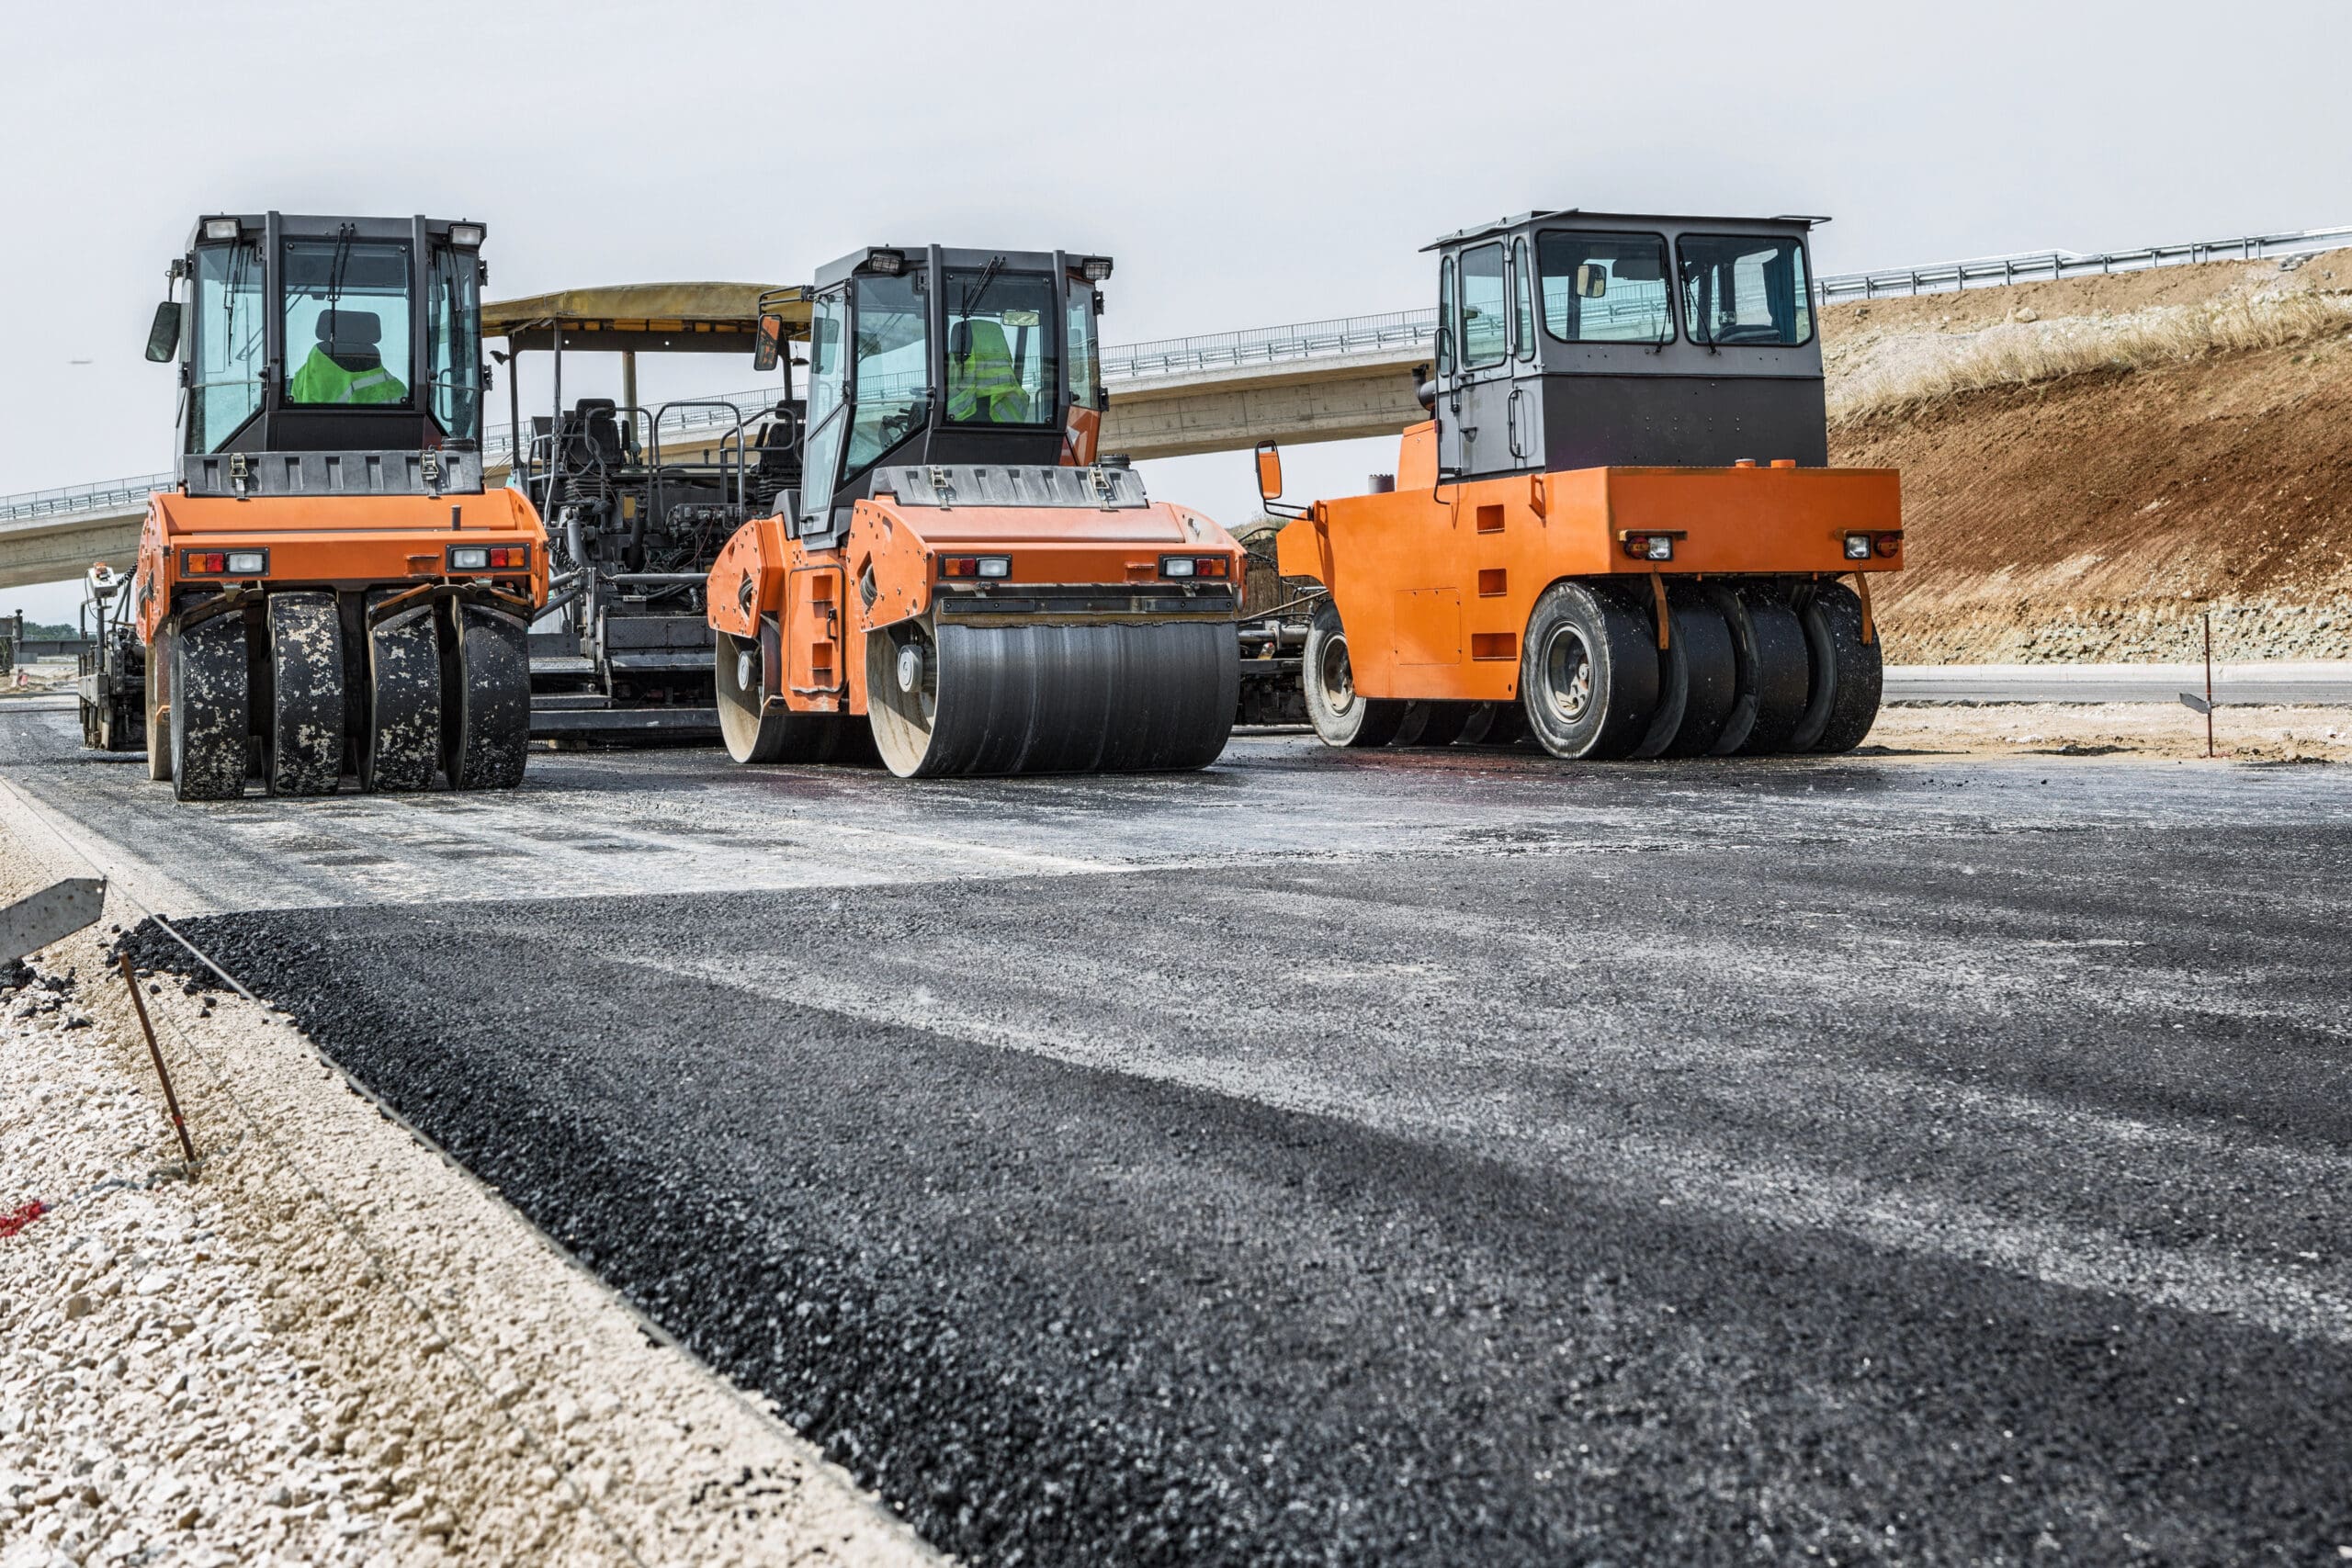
pixel 1889 543
pixel 1650 547
pixel 224 563
pixel 975 566
pixel 1219 567
pixel 488 558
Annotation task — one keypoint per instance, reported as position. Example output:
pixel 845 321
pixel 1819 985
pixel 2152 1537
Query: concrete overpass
pixel 1313 381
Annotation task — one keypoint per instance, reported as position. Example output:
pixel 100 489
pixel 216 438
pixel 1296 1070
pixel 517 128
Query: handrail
pixel 1365 334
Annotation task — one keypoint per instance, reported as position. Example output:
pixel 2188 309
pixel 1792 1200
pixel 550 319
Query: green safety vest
pixel 986 372
pixel 322 380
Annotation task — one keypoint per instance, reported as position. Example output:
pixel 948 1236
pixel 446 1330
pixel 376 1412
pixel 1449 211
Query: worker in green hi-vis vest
pixel 345 365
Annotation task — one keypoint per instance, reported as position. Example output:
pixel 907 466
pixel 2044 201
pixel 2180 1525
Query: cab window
pixel 1083 357
pixel 1604 288
pixel 225 352
pixel 889 383
pixel 1742 289
pixel 1001 364
pixel 453 344
pixel 347 322
pixel 1486 328
pixel 1522 320
pixel 820 461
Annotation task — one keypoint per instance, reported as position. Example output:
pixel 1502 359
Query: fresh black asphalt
pixel 1683 1163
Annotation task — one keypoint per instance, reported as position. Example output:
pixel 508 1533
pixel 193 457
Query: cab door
pixel 1486 386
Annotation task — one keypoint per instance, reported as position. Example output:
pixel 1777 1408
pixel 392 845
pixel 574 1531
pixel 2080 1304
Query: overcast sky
pixel 1247 164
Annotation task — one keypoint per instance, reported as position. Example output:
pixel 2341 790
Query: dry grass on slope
pixel 1915 354
pixel 2030 353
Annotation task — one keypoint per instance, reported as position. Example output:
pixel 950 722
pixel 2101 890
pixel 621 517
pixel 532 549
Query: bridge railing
pixel 1363 335
pixel 74 499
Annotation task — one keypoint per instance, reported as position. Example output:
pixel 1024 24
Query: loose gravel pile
pixel 330 1346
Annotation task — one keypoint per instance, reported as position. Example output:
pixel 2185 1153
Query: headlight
pixel 466 236
pixel 1175 566
pixel 1857 546
pixel 890 263
pixel 1095 268
pixel 220 228
pixel 248 563
pixel 464 557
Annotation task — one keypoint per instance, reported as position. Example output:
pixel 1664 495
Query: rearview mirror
pixel 1592 280
pixel 770 346
pixel 164 337
pixel 1270 472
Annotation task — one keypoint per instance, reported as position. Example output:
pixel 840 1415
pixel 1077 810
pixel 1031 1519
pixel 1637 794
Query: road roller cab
pixel 328 589
pixel 958 579
pixel 1619 530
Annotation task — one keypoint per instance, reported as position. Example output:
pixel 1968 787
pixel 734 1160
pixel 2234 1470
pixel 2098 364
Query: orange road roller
pixel 955 578
pixel 329 590
pixel 1618 533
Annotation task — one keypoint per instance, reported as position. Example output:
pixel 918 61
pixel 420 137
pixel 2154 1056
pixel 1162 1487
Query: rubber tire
pixel 1431 723
pixel 1622 654
pixel 1124 698
pixel 485 698
pixel 1492 724
pixel 1775 671
pixel 305 733
pixel 1341 715
pixel 1848 674
pixel 399 744
pixel 753 733
pixel 211 709
pixel 159 739
pixel 1709 673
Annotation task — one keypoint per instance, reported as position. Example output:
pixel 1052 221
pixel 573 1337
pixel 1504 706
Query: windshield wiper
pixel 972 295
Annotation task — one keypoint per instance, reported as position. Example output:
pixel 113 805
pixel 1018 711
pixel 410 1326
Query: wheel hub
pixel 1567 675
pixel 910 669
pixel 1338 675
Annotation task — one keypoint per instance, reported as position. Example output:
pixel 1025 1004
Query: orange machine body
pixel 1436 583
pixel 894 564
pixel 334 541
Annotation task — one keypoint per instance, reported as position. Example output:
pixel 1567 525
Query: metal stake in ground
pixel 179 1123
pixel 2208 683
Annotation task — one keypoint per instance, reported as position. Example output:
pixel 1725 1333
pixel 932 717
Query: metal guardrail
pixel 1397 330
pixel 1947 277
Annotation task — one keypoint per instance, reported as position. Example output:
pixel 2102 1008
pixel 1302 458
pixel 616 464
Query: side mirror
pixel 164 337
pixel 770 347
pixel 1270 472
pixel 1592 280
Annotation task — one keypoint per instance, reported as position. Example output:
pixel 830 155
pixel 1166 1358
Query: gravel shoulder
pixel 2124 730
pixel 331 1345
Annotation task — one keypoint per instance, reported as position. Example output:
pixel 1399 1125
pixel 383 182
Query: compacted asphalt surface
pixel 1419 1157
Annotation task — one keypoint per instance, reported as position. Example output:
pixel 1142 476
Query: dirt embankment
pixel 2088 465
